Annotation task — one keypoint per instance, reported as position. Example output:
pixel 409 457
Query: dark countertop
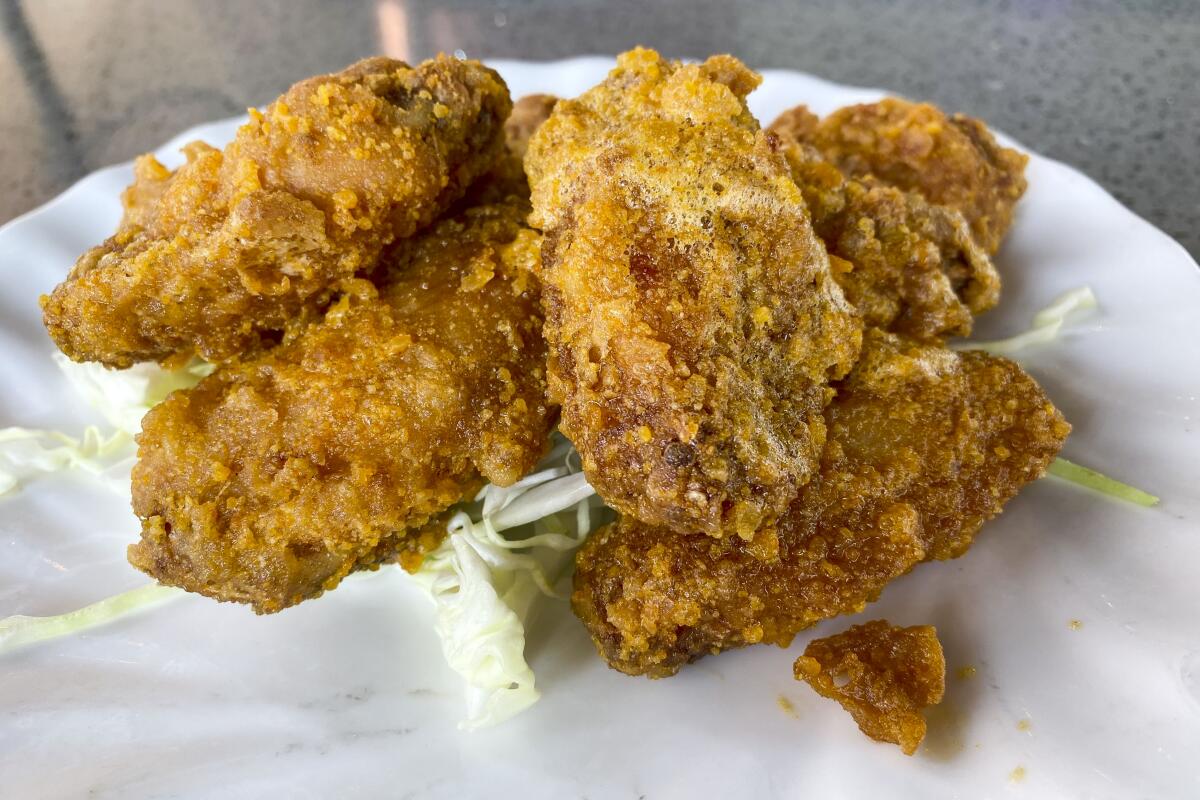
pixel 1110 87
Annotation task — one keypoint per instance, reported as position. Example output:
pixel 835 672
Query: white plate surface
pixel 349 696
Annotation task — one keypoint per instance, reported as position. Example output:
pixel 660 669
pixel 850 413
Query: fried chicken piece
pixel 924 446
pixel 908 266
pixel 951 161
pixel 882 674
pixel 275 477
pixel 692 319
pixel 221 255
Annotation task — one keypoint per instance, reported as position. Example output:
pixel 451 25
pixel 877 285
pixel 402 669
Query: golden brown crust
pixel 236 246
pixel 273 478
pixel 907 265
pixel 951 161
pixel 691 315
pixel 882 674
pixel 924 446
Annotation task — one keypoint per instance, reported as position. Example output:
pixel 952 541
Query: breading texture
pixel 274 478
pixel 951 161
pixel 692 319
pixel 924 446
pixel 882 674
pixel 907 265
pixel 221 255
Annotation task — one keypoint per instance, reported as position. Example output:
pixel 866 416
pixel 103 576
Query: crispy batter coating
pixel 882 674
pixel 924 446
pixel 273 478
pixel 692 318
pixel 951 161
pixel 236 246
pixel 908 266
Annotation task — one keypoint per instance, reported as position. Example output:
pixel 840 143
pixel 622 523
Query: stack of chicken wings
pixel 405 283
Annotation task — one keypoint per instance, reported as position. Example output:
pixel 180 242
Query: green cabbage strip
pixel 1047 324
pixel 21 630
pixel 1070 471
pixel 484 583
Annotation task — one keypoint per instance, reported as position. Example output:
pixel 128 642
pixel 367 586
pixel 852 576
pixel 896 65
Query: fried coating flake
pixel 907 265
pixel 951 161
pixel 692 319
pixel 221 255
pixel 882 674
pixel 924 446
pixel 274 478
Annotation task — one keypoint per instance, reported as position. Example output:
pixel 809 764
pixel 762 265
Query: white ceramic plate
pixel 349 696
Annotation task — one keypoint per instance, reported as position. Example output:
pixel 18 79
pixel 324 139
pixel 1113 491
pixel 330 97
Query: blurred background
pixel 1110 87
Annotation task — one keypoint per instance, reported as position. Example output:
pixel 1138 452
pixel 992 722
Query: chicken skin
pixel 888 674
pixel 691 315
pixel 951 161
pixel 907 265
pixel 222 255
pixel 275 477
pixel 924 446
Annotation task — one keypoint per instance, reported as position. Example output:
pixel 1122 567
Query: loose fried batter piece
pixel 908 266
pixel 882 674
pixel 274 478
pixel 221 255
pixel 951 161
pixel 924 446
pixel 692 319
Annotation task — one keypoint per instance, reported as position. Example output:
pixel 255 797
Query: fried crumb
pixel 882 674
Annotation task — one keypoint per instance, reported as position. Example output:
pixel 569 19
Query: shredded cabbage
pixel 1084 476
pixel 1046 324
pixel 21 630
pixel 122 396
pixel 484 583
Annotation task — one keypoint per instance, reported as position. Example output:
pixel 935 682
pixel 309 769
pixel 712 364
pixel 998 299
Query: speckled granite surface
pixel 1110 87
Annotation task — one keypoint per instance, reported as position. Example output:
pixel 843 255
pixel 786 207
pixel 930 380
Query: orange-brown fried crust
pixel 275 477
pixel 908 266
pixel 882 674
pixel 692 319
pixel 924 446
pixel 238 245
pixel 951 161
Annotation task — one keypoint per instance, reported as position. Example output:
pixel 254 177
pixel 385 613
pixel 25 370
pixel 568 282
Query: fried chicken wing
pixel 924 446
pixel 908 266
pixel 952 161
pixel 275 477
pixel 692 319
pixel 221 255
pixel 882 674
